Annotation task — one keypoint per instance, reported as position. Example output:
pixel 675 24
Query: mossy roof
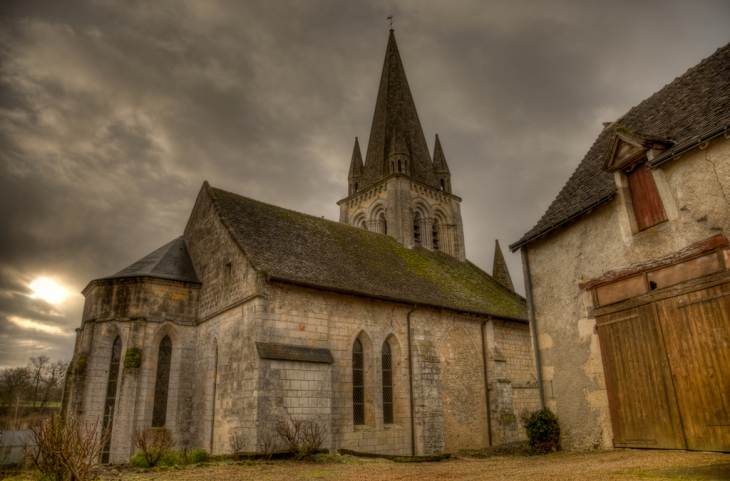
pixel 312 251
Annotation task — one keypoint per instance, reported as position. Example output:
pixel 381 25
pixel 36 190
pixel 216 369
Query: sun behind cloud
pixel 48 290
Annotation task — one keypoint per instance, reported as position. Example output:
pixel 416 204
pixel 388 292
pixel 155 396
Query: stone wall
pixel 400 198
pixel 694 192
pixel 141 297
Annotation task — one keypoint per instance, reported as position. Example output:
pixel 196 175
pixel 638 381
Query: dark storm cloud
pixel 113 113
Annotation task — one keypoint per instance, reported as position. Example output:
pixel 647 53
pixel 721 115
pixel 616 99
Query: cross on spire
pixel 391 21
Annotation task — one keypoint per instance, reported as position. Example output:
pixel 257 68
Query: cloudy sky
pixel 113 113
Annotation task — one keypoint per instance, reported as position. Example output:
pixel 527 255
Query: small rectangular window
pixel 227 274
pixel 648 208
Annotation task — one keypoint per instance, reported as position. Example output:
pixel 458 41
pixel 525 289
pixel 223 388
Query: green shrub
pixel 543 431
pixel 138 461
pixel 170 458
pixel 133 358
pixel 198 456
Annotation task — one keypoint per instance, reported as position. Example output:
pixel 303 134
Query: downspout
pixel 410 381
pixel 486 380
pixel 531 317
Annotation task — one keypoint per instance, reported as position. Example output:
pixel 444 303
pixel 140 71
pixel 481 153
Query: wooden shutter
pixel 648 207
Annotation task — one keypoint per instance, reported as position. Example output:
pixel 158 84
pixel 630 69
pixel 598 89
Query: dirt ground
pixel 623 464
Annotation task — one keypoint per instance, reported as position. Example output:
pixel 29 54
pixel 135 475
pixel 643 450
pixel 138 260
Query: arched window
pixel 442 184
pixel 387 384
pixel 356 189
pixel 159 409
pixel 435 234
pixel 399 168
pixel 417 228
pixel 358 384
pixel 111 397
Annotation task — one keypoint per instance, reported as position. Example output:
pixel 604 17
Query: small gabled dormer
pixel 626 158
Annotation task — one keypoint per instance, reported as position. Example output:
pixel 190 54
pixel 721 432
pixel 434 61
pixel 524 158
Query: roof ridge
pixel 314 217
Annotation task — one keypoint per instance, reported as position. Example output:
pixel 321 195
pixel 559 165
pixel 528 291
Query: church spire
pixel 499 270
pixel 395 114
pixel 440 167
pixel 354 178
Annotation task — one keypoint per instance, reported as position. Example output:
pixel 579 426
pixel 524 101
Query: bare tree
pixel 53 381
pixel 37 367
pixel 237 440
pixel 312 437
pixel 63 444
pixel 267 442
pixel 153 442
pixel 291 433
pixel 14 381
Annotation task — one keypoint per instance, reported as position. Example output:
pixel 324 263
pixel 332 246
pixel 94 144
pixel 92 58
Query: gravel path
pixel 621 464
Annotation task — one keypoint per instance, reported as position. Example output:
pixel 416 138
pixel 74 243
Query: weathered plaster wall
pixel 693 190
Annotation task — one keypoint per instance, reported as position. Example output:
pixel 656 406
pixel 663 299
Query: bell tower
pixel 399 190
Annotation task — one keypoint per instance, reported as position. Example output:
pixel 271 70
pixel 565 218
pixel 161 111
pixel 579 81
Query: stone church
pixel 376 326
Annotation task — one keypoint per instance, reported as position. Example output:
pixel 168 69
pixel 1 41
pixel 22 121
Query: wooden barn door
pixel 643 406
pixel 696 329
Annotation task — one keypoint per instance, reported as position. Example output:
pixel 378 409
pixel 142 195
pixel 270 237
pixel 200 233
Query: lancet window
pixel 387 364
pixel 111 397
pixel 358 383
pixel 162 383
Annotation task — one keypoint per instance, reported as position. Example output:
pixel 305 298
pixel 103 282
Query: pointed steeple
pixel 395 114
pixel 354 178
pixel 499 270
pixel 440 167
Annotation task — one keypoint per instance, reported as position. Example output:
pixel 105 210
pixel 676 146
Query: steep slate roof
pixel 697 101
pixel 356 162
pixel 171 261
pixel 439 159
pixel 312 251
pixel 395 112
pixel 499 268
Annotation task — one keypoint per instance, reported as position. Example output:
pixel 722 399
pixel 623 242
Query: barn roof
pixel 298 248
pixel 691 105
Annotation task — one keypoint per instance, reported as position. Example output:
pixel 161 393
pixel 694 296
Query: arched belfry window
pixel 417 228
pixel 358 383
pixel 399 167
pixel 435 234
pixel 159 410
pixel 111 398
pixel 387 362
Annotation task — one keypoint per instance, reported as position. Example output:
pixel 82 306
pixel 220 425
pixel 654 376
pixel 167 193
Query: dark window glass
pixel 417 229
pixel 159 410
pixel 387 385
pixel 435 234
pixel 111 397
pixel 358 384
